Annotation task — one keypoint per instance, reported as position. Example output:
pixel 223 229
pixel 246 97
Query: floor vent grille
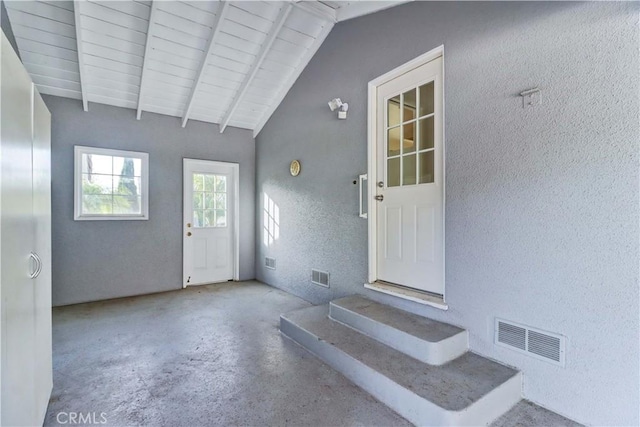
pixel 547 346
pixel 320 278
pixel 270 263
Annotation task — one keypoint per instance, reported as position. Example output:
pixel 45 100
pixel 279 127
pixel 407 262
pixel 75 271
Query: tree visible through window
pixel 112 184
pixel 209 200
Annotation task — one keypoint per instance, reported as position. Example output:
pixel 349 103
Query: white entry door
pixel 410 191
pixel 210 192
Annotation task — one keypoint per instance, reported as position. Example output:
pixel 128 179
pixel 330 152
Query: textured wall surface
pixel 95 260
pixel 542 204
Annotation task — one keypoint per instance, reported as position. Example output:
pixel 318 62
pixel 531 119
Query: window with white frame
pixel 111 184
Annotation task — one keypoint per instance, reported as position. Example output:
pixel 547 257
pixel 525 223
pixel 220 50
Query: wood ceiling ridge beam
pixel 220 16
pixel 83 73
pixel 284 88
pixel 255 67
pixel 145 61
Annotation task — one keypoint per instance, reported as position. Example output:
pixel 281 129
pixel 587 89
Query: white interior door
pixel 410 192
pixel 210 196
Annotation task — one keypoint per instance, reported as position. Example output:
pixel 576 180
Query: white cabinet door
pixel 42 218
pixel 17 239
pixel 25 247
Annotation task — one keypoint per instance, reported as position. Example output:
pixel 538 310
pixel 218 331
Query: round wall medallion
pixel 295 168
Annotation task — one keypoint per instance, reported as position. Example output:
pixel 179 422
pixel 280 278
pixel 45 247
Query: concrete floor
pixel 208 355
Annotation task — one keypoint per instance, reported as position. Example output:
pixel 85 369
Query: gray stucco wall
pixel 95 260
pixel 542 204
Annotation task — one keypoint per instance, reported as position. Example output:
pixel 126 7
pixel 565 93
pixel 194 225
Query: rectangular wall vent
pixel 270 263
pixel 320 278
pixel 547 346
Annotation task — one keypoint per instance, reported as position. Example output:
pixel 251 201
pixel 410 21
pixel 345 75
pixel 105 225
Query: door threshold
pixel 408 294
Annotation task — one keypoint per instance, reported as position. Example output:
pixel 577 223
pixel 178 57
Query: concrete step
pixel 427 340
pixel 469 390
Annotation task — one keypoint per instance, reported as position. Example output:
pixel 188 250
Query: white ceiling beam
pixel 257 63
pixel 284 89
pixel 145 60
pixel 317 9
pixel 354 9
pixel 220 16
pixel 83 74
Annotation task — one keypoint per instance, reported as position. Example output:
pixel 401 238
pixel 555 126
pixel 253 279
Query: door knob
pixel 189 234
pixel 379 197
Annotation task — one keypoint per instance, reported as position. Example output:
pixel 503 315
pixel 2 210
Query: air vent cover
pixel 512 335
pixel 547 346
pixel 320 278
pixel 270 263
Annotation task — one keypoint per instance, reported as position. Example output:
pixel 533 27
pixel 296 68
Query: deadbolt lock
pixel 189 225
pixel 380 184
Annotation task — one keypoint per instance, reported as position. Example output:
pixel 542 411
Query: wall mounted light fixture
pixel 342 107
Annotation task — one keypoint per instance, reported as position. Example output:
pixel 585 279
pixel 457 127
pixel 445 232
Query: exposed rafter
pixel 83 74
pixel 264 50
pixel 294 76
pixel 318 9
pixel 220 15
pixel 145 63
pixel 193 60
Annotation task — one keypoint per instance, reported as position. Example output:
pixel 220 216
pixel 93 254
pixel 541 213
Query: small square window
pixel 110 184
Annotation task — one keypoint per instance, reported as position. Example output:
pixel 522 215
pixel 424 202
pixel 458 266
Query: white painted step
pixel 425 339
pixel 469 390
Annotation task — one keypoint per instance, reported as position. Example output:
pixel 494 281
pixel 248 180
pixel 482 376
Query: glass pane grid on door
pixel 209 200
pixel 410 135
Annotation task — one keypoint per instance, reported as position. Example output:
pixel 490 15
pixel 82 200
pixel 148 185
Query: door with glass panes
pixel 208 243
pixel 410 196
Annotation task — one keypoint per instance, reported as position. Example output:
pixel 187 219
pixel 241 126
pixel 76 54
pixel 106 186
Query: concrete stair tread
pixel 453 386
pixel 528 414
pixel 409 323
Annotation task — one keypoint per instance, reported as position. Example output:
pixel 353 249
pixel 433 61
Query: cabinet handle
pixel 39 265
pixel 33 274
pixel 34 256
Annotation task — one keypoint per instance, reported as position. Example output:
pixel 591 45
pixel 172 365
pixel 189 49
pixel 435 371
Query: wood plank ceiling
pixel 224 62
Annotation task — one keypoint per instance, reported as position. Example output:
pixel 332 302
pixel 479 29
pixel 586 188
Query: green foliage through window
pixel 118 192
pixel 209 200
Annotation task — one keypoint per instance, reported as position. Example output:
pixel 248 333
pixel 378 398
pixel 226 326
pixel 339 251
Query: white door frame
pixel 373 155
pixel 236 211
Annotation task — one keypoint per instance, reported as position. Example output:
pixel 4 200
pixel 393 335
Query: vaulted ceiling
pixel 224 62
